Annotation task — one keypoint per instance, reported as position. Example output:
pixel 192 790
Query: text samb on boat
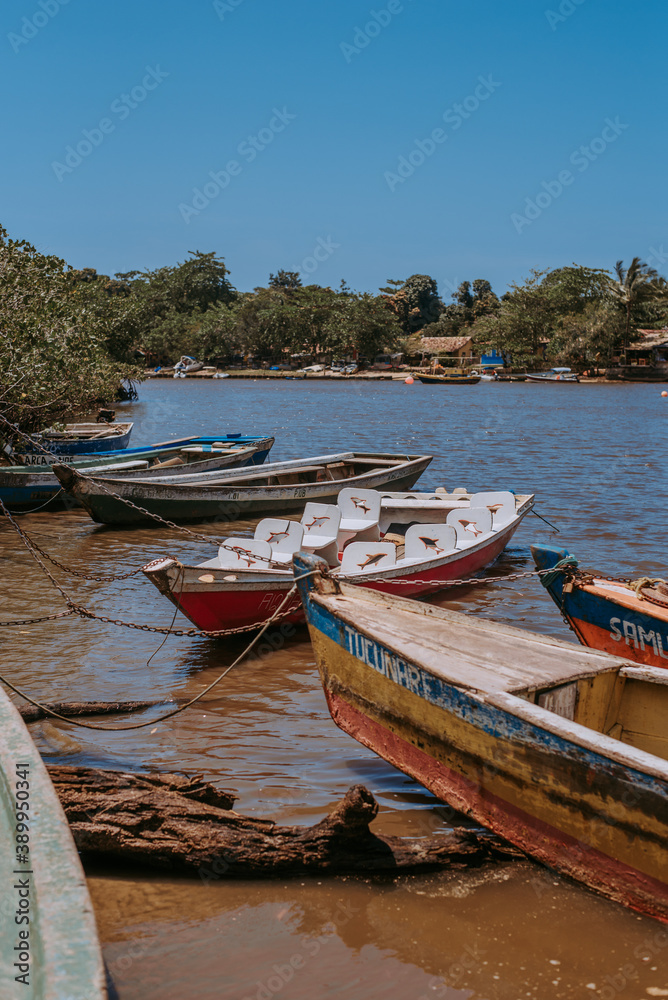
pixel 561 750
pixel 608 614
pixel 399 543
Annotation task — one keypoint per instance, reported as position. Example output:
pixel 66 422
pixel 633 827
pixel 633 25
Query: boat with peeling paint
pixel 232 495
pixel 57 948
pixel 608 614
pixel 561 750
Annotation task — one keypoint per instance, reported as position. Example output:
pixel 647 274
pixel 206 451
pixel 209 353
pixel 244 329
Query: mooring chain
pixel 36 621
pixel 191 633
pixel 209 539
pixel 446 583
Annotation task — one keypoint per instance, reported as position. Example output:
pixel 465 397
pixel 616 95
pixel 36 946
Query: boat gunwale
pixel 236 482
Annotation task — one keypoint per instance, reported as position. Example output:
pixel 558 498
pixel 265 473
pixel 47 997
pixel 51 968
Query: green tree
pixel 635 286
pixel 54 359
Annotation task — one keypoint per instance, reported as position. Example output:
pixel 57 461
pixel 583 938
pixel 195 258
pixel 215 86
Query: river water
pixel 595 457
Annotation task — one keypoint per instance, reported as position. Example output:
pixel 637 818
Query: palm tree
pixel 635 284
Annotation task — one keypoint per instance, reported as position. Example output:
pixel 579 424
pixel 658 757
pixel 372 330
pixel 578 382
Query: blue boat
pixel 608 614
pixel 28 488
pixel 74 439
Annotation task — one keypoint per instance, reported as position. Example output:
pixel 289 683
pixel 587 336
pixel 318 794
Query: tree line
pixel 69 337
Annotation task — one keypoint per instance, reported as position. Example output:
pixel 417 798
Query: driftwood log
pixel 31 713
pixel 188 827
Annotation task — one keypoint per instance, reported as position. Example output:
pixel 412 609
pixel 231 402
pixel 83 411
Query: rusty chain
pixel 191 633
pixel 36 621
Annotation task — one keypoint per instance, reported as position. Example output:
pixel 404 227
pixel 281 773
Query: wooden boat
pixel 451 376
pixel 607 614
pixel 425 539
pixel 75 439
pixel 559 749
pixel 232 495
pixel 55 952
pixel 23 488
pixel 554 375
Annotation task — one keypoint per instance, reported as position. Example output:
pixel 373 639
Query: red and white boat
pixel 409 544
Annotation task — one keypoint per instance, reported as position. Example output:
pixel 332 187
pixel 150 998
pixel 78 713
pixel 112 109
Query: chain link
pixel 36 621
pixel 209 539
pixel 444 583
pixel 191 633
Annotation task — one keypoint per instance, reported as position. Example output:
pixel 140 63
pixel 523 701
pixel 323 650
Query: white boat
pixel 554 375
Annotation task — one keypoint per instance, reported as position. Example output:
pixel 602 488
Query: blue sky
pixel 349 140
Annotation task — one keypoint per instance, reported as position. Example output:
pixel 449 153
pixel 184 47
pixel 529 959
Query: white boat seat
pixel 425 541
pixel 501 503
pixel 360 514
pixel 282 535
pixel 368 557
pixel 321 525
pixel 470 524
pixel 244 553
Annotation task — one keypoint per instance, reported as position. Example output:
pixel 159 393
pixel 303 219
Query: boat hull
pixel 222 502
pixel 612 619
pixel 577 810
pixel 79 446
pixel 214 601
pixel 63 959
pixel 449 379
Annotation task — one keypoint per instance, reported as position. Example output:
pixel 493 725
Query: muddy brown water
pixel 594 455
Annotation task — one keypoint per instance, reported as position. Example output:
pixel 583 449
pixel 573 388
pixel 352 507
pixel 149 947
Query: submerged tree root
pixel 187 826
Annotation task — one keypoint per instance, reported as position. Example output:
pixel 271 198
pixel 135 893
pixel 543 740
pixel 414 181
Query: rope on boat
pixel 532 511
pixel 181 708
pixel 41 506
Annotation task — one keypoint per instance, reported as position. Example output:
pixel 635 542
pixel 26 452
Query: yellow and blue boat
pixel 561 750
